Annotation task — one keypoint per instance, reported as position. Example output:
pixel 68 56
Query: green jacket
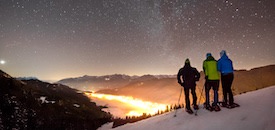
pixel 210 68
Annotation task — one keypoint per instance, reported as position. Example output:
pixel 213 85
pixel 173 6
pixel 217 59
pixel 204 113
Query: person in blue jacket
pixel 225 67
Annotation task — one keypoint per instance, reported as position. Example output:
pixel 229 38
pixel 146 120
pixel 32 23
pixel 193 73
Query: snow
pixel 43 100
pixel 257 112
pixel 76 105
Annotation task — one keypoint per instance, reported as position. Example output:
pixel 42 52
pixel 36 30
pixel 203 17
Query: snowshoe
pixel 223 104
pixel 230 106
pixel 208 107
pixel 196 107
pixel 236 105
pixel 216 108
pixel 189 111
pixel 233 105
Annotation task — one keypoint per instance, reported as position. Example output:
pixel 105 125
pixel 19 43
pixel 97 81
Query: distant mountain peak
pixel 27 78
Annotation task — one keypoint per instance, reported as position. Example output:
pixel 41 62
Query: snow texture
pixel 44 100
pixel 257 112
pixel 76 105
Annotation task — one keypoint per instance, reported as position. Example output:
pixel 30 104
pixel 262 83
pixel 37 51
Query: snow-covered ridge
pixel 27 78
pixel 257 112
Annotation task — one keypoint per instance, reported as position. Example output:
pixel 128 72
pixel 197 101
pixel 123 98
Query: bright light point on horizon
pixel 2 62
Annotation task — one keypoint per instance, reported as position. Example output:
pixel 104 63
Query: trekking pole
pixel 199 101
pixel 178 103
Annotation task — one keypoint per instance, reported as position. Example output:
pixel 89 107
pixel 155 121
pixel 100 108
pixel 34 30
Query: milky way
pixel 54 39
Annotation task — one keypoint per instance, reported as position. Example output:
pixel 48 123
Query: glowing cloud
pixel 139 105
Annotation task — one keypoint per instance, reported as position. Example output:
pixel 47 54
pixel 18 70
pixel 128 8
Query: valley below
pixel 163 91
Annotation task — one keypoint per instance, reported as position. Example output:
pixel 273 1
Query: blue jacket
pixel 225 65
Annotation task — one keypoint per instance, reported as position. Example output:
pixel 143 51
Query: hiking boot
pixel 189 111
pixel 196 107
pixel 216 108
pixel 208 107
pixel 224 104
pixel 235 105
pixel 230 106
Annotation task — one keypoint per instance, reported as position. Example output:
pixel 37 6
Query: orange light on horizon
pixel 139 105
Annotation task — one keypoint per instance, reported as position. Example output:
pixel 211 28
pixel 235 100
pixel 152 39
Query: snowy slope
pixel 257 112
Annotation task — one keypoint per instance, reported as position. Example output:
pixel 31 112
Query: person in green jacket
pixel 212 80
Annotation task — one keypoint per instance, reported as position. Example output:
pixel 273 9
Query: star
pixel 131 37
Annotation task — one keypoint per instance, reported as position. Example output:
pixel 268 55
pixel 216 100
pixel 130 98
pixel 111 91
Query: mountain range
pixel 164 88
pixel 95 83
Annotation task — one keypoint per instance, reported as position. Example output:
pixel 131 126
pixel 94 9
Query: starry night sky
pixel 54 39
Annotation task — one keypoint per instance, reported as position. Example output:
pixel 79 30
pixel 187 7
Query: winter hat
pixel 187 61
pixel 208 54
pixel 223 52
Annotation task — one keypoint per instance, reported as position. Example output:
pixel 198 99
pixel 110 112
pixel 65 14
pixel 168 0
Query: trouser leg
pixel 207 89
pixel 224 88
pixel 193 91
pixel 215 85
pixel 230 80
pixel 187 101
pixel 227 83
